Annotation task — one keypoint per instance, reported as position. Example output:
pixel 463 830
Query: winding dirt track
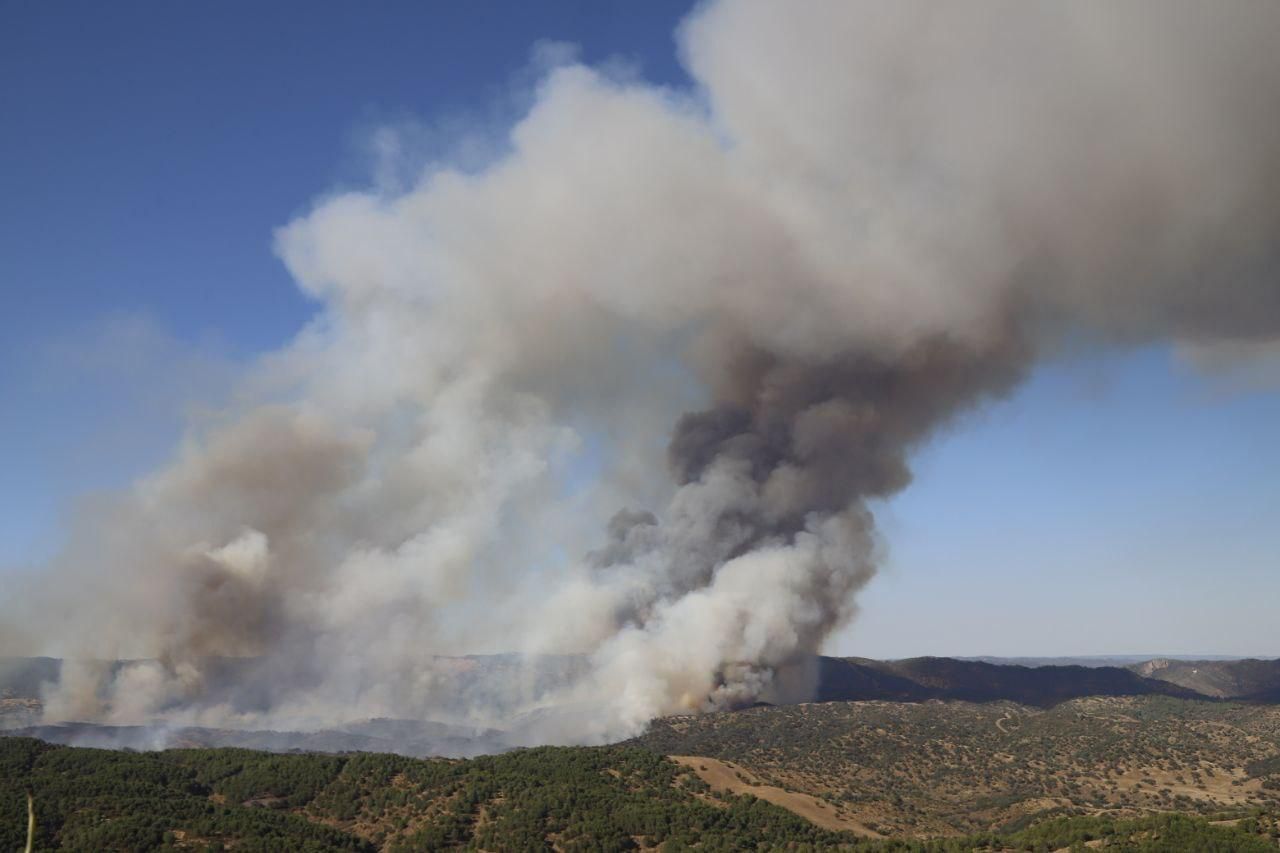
pixel 726 776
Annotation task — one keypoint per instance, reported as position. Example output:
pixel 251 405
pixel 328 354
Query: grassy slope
pixel 949 768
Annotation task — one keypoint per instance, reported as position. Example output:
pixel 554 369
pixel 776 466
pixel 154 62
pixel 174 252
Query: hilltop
pixel 1248 680
pixel 922 679
pixel 955 767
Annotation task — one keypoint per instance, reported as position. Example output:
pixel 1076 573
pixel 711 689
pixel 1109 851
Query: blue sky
pixel 1119 502
pixel 149 151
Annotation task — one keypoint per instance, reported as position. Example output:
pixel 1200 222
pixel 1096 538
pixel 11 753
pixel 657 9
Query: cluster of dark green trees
pixel 586 799
pixel 90 799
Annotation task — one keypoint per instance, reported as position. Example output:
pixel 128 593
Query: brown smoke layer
pixel 866 219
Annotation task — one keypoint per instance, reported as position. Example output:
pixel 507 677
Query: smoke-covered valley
pixel 625 398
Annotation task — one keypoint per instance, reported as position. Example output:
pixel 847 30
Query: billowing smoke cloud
pixel 628 392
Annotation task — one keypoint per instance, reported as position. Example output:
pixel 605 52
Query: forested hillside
pixel 957 767
pixel 584 799
pixel 572 798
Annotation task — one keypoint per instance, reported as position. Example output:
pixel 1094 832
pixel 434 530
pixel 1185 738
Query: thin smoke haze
pixel 626 393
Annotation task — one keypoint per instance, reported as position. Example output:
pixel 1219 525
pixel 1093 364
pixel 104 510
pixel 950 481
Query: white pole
pixel 31 821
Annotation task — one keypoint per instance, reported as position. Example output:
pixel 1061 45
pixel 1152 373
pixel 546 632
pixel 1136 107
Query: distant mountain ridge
pixel 922 679
pixel 474 679
pixel 1089 660
pixel 1249 680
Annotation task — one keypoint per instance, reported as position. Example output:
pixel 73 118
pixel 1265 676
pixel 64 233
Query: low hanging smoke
pixel 622 399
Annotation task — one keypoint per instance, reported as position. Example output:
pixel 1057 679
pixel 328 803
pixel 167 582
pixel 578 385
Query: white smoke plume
pixel 626 392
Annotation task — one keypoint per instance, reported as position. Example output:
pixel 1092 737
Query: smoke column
pixel 626 392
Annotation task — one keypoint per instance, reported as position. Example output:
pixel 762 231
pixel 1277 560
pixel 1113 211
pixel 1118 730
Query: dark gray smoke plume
pixel 866 219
